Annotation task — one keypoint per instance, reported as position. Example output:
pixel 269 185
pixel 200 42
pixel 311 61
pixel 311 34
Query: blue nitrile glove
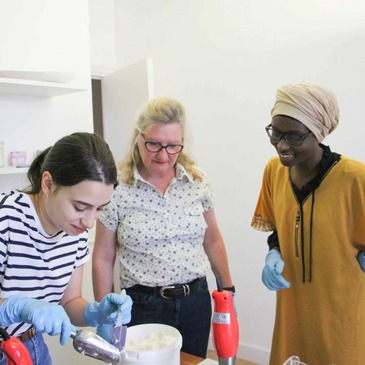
pixel 46 317
pixel 271 274
pixel 361 259
pixel 105 331
pixel 106 312
pixel 106 328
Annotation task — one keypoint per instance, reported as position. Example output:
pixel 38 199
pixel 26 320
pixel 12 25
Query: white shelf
pixel 11 86
pixel 9 170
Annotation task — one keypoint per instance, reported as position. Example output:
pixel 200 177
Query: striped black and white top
pixel 33 263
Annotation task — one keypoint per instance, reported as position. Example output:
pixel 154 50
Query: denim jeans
pixel 191 315
pixel 38 351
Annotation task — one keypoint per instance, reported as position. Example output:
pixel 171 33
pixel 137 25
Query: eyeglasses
pixel 171 149
pixel 290 138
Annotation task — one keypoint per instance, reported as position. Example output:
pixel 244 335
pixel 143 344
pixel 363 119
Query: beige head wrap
pixel 311 104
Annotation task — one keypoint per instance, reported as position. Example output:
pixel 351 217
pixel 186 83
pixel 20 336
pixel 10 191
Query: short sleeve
pixel 208 196
pixel 109 215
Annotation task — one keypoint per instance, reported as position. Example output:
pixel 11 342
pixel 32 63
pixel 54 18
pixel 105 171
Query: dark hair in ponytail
pixel 73 159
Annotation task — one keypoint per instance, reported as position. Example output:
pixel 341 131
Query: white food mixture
pixel 155 341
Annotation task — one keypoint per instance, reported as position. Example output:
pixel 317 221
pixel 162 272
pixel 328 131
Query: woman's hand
pixel 46 317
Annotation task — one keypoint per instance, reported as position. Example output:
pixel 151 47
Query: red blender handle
pixel 224 325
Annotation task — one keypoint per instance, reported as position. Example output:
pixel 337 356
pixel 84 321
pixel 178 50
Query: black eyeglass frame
pixel 287 135
pixel 148 143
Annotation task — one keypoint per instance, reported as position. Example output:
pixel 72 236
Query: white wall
pixel 224 60
pixel 102 37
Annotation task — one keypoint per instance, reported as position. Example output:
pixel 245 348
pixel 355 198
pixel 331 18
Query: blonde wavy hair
pixel 160 110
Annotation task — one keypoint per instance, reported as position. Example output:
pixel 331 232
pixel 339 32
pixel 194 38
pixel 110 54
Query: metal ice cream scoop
pixel 90 344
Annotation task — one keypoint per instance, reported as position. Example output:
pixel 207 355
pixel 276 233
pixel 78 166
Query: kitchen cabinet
pixel 124 92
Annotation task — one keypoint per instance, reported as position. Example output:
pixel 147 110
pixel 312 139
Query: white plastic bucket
pixel 168 355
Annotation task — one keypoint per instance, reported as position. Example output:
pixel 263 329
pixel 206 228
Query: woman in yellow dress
pixel 313 201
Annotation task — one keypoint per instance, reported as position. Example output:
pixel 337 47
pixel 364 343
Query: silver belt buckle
pixel 163 289
pixel 185 287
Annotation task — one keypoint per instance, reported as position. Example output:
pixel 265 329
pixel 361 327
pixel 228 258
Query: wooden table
pixel 187 359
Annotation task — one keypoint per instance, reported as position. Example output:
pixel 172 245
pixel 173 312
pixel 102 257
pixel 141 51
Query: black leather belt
pixel 170 291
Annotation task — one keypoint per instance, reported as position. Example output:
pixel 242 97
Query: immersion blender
pixel 225 327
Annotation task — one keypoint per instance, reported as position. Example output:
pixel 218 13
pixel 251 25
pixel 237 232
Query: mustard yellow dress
pixel 321 317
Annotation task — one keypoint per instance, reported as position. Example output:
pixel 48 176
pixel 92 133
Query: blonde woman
pixel 162 226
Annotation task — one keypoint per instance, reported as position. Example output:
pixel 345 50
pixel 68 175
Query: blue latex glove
pixel 271 274
pixel 105 327
pixel 105 331
pixel 361 259
pixel 46 317
pixel 106 311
